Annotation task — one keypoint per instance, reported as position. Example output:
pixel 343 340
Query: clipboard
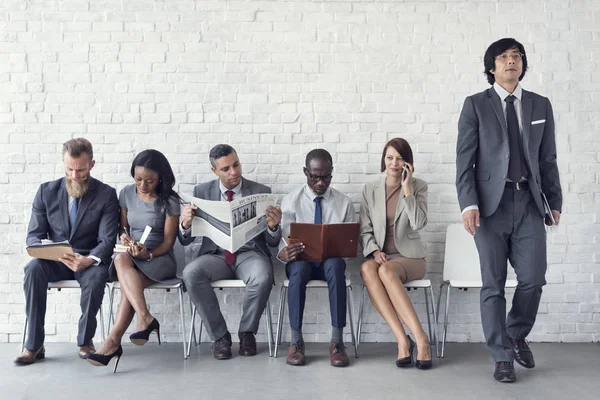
pixel 49 251
pixel 548 218
pixel 322 241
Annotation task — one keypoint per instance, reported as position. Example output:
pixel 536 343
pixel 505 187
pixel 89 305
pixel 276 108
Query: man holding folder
pixel 85 212
pixel 316 203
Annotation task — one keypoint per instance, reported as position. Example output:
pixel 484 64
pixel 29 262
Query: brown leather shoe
pixel 30 356
pixel 247 344
pixel 296 354
pixel 338 356
pixel 86 350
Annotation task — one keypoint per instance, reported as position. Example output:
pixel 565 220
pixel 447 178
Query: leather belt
pixel 517 185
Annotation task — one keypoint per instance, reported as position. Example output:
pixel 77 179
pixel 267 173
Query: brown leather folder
pixel 49 251
pixel 324 241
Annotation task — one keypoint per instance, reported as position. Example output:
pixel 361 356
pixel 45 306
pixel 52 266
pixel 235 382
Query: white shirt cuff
pixel 469 208
pixel 275 232
pixel 185 232
pixel 95 259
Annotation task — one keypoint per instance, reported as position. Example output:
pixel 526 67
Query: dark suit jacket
pixel 482 151
pixel 211 191
pixel 96 226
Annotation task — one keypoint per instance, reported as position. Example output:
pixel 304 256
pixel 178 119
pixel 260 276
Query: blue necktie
pixel 318 211
pixel 73 212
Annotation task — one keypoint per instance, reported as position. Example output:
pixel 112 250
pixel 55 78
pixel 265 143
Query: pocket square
pixel 539 121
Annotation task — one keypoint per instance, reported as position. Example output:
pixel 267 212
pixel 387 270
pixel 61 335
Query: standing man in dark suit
pixel 251 263
pixel 505 159
pixel 84 211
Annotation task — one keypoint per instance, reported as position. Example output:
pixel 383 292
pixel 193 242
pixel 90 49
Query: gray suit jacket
pixel 482 151
pixel 96 226
pixel 411 216
pixel 211 191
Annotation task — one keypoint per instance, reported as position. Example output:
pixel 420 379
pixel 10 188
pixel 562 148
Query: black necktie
pixel 515 165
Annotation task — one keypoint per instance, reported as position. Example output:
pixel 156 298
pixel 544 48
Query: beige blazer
pixel 411 216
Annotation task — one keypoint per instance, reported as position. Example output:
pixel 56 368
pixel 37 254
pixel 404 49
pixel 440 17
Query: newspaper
pixel 231 224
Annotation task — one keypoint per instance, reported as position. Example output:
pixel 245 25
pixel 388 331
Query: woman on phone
pixel 150 201
pixel 392 211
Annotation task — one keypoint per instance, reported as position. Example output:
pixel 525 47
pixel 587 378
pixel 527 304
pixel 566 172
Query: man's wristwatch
pixel 150 257
pixel 273 229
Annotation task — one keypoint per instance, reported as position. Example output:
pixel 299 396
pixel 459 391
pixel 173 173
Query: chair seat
pixel 228 283
pixel 460 283
pixel 168 284
pixel 418 283
pixel 66 284
pixel 315 283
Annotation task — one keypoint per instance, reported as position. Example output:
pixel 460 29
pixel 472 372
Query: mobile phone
pixel 403 174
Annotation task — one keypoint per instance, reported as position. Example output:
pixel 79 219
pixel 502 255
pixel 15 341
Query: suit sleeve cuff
pixel 185 232
pixel 469 208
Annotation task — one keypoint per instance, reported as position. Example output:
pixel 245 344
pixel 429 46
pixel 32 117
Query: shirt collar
pixel 503 93
pixel 236 190
pixel 312 196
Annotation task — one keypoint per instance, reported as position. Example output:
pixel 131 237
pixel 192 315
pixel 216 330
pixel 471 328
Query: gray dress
pixel 139 214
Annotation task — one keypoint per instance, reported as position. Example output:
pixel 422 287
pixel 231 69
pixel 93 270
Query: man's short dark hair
pixel 318 154
pixel 497 48
pixel 220 150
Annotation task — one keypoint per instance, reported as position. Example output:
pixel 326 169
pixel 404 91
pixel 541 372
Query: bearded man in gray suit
pixel 505 164
pixel 251 263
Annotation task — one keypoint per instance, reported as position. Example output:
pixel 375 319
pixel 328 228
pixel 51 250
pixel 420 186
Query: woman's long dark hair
pixel 157 162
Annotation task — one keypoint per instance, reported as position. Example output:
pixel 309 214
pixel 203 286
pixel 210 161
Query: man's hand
pixel 274 216
pixel 556 216
pixel 187 215
pixel 471 220
pixel 380 257
pixel 291 251
pixel 76 262
pixel 139 251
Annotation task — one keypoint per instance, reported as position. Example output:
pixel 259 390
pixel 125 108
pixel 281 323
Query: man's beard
pixel 77 189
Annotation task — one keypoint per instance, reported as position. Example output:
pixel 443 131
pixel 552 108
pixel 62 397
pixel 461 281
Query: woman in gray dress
pixel 150 201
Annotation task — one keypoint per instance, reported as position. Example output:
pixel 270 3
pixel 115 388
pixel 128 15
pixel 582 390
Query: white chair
pixel 68 284
pixel 461 268
pixel 417 284
pixel 315 284
pixel 230 284
pixel 171 284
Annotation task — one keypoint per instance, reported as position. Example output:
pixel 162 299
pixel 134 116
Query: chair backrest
pixel 461 259
pixel 179 252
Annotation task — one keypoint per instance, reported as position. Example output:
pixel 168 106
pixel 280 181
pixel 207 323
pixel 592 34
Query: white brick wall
pixel 276 79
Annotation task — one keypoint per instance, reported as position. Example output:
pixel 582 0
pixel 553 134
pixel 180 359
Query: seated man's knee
pixel 95 278
pixel 299 271
pixel 194 273
pixel 35 267
pixel 337 266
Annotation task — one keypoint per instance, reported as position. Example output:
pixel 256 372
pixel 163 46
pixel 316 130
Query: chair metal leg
pixel 193 328
pixel 192 334
pixel 24 334
pixel 111 299
pixel 180 290
pixel 428 317
pixel 446 319
pixel 280 319
pixel 200 331
pixel 269 327
pixel 360 319
pixel 102 334
pixel 350 304
pixel 435 319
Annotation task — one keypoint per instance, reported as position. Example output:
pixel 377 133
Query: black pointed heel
pixel 407 361
pixel 100 360
pixel 423 364
pixel 140 338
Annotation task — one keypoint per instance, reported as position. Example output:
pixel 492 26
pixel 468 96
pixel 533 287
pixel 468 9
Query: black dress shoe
pixel 407 361
pixel 523 354
pixel 505 372
pixel 222 347
pixel 247 344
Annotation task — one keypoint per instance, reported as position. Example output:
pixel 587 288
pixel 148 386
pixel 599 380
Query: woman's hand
pixel 407 171
pixel 380 257
pixel 139 251
pixel 126 240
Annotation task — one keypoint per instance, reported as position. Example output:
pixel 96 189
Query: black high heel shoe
pixel 100 360
pixel 423 364
pixel 407 361
pixel 141 337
